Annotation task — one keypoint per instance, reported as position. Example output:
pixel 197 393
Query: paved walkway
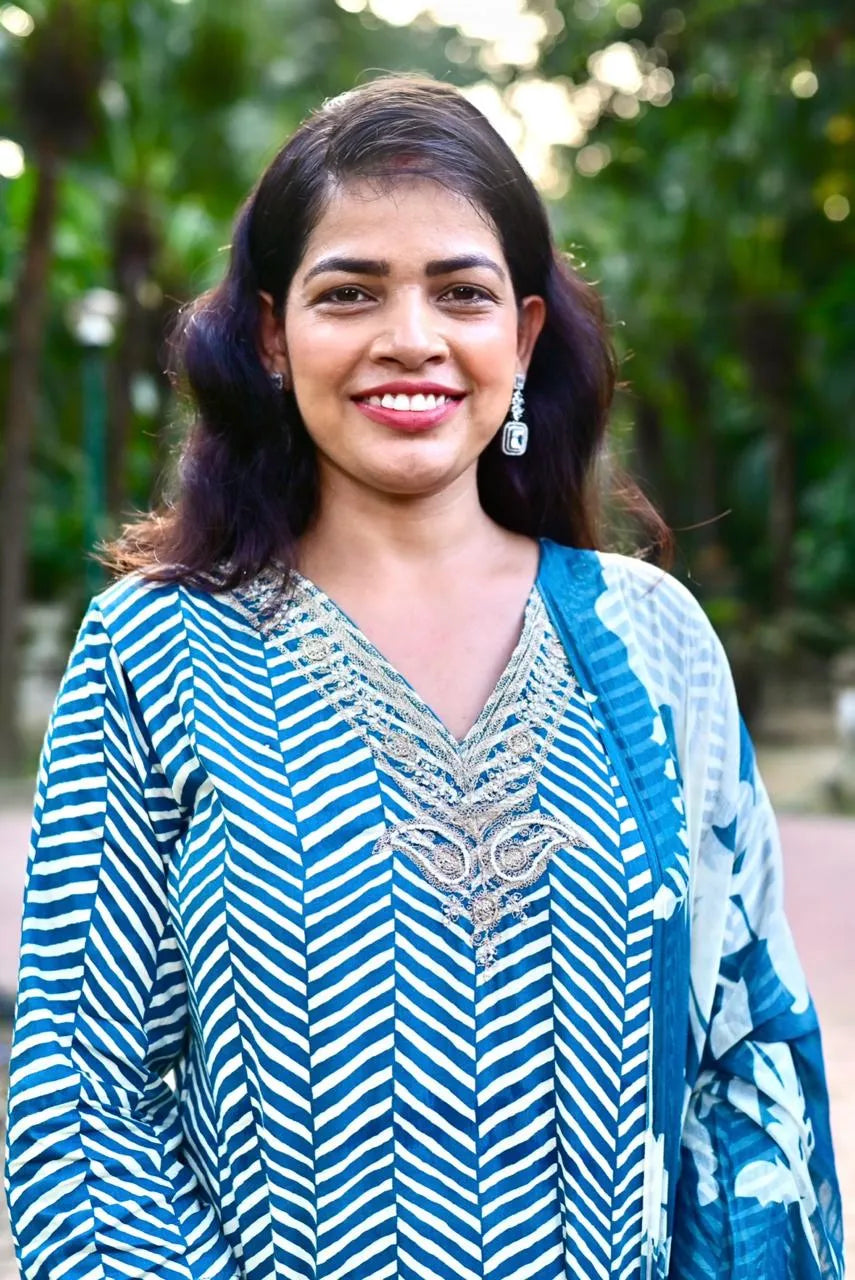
pixel 819 857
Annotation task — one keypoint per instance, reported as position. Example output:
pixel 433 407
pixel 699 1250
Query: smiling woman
pixel 403 899
pixel 339 187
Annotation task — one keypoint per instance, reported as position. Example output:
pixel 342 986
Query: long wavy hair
pixel 247 481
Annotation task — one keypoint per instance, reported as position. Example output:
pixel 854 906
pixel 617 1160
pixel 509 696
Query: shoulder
pixel 627 592
pixel 133 604
pixel 639 618
pixel 144 619
pixel 653 593
pixel 130 618
pixel 148 622
pixel 675 651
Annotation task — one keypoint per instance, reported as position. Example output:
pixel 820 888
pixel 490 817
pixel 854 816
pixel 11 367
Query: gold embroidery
pixel 482 870
pixel 476 835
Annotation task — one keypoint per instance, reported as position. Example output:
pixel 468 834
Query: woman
pixel 417 838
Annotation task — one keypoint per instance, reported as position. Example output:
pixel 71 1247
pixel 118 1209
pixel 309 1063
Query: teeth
pixel 408 404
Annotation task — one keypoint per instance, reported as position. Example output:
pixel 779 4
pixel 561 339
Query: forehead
pixel 402 217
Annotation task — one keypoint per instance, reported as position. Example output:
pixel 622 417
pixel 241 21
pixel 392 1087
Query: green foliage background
pixel 732 292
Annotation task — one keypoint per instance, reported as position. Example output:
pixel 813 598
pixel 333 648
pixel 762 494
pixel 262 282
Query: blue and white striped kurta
pixel 310 990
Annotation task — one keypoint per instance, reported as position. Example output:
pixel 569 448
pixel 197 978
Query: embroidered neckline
pixel 374 657
pixel 475 832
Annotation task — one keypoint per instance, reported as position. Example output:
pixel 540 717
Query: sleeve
pixel 757 1195
pixel 95 1180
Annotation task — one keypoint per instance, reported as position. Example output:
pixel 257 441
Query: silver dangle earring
pixel 515 431
pixel 277 381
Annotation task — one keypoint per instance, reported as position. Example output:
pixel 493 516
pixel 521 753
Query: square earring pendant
pixel 514 439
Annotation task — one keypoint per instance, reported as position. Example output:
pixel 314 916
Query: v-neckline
pixel 533 608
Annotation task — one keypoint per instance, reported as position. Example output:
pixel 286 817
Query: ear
pixel 532 317
pixel 271 338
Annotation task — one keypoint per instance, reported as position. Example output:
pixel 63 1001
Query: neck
pixel 366 535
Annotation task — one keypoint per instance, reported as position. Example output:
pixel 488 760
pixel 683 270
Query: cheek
pixel 317 350
pixel 313 358
pixel 493 352
pixel 492 366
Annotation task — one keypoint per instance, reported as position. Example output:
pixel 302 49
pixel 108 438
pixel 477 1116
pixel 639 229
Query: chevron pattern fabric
pixel 310 989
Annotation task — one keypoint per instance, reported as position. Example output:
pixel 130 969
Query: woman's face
pixel 401 337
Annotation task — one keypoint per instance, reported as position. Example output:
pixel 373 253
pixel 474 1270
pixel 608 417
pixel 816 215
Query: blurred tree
pixel 719 226
pixel 56 92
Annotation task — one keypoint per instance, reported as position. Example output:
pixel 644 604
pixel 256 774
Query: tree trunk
pixel 19 419
pixel 771 342
pixel 782 502
pixel 125 364
pixel 702 508
pixel 135 247
pixel 649 451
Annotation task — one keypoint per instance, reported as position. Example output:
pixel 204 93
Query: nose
pixel 411 331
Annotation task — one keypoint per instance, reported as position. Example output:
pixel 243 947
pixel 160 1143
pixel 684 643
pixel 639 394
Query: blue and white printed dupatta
pixel 189 902
pixel 740 1166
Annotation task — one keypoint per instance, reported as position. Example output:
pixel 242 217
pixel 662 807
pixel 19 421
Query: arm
pixel 757 1195
pixel 95 1178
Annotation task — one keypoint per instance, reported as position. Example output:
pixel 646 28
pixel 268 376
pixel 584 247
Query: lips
pixel 409 407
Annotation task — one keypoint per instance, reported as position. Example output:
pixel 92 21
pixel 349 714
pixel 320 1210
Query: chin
pixel 424 477
pixel 420 472
pixel 411 485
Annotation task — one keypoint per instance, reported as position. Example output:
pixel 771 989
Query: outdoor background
pixel 698 164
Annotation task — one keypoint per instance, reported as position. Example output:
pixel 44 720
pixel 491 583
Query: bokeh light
pixel 12 162
pixel 625 106
pixel 592 159
pixel 16 20
pixel 840 129
pixel 397 13
pixel 836 207
pixel 628 15
pixel 511 34
pixel 618 66
pixel 804 84
pixel 536 116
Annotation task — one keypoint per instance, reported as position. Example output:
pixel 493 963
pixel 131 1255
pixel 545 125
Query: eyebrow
pixel 378 267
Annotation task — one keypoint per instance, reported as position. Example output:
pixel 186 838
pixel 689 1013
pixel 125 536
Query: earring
pixel 278 381
pixel 515 431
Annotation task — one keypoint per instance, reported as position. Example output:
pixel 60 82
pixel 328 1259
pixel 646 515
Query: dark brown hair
pixel 247 480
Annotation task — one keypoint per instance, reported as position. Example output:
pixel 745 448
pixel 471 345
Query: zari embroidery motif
pixel 476 833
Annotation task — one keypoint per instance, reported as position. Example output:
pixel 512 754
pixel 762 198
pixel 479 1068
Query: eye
pixel 468 294
pixel 346 294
